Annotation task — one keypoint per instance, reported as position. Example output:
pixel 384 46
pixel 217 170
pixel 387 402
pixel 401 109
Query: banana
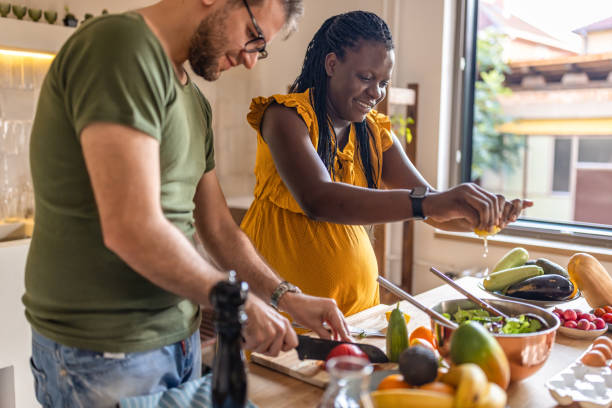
pixel 494 397
pixel 411 398
pixel 470 381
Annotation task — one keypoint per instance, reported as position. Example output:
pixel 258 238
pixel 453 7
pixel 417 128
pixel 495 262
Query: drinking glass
pixel 26 200
pixel 5 9
pixel 50 16
pixel 17 72
pixel 35 14
pixel 19 11
pixel 348 385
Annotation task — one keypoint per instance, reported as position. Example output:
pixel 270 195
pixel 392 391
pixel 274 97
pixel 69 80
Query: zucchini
pixel 551 268
pixel 543 287
pixel 506 277
pixel 515 257
pixel 397 335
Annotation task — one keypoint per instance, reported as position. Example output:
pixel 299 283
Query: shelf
pixel 31 36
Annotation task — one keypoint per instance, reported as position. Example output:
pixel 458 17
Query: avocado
pixel 418 365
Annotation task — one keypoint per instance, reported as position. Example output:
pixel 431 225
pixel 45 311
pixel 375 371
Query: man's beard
pixel 207 46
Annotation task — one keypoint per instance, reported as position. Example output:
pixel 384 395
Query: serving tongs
pixel 406 296
pixel 494 311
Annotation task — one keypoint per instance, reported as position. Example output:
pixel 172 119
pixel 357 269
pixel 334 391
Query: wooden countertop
pixel 269 388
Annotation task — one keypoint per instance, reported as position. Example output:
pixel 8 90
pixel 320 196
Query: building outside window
pixel 542 114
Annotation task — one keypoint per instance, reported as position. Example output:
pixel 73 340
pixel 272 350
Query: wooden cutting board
pixel 311 371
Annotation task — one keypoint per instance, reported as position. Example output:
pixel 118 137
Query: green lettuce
pixel 495 324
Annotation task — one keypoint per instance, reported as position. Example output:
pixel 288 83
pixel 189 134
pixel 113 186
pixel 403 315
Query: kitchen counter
pixel 270 389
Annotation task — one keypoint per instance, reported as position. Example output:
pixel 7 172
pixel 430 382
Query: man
pixel 123 170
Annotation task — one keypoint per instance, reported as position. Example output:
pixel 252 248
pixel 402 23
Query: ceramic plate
pixel 541 303
pixel 8 228
pixel 581 334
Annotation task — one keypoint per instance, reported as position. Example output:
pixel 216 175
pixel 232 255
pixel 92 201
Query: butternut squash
pixel 592 279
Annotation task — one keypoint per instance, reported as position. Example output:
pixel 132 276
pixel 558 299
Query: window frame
pixel 461 165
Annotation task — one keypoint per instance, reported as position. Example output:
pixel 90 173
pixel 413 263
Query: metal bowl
pixel 526 352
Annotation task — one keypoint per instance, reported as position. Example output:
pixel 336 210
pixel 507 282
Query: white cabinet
pixel 16 381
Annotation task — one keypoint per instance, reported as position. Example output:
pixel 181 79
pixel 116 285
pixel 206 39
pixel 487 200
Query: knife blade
pixel 353 330
pixel 318 349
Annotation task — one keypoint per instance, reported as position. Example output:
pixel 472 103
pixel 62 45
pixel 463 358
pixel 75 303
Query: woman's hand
pixel 468 206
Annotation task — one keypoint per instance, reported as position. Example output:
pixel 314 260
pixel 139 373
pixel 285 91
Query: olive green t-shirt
pixel 78 292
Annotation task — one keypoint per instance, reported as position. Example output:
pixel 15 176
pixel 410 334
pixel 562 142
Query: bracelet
pixel 280 290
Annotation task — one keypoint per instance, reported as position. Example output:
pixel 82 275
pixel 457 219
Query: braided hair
pixel 337 34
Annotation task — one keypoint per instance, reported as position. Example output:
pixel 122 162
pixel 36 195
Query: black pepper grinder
pixel 229 383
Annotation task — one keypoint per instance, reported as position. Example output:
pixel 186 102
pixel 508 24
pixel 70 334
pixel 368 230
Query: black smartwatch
pixel 417 195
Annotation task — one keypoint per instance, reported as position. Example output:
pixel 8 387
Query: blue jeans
pixel 70 377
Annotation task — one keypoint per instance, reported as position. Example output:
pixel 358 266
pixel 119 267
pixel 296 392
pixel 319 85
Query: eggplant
pixel 551 267
pixel 543 287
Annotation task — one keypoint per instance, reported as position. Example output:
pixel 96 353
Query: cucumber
pixel 506 277
pixel 516 257
pixel 551 268
pixel 397 335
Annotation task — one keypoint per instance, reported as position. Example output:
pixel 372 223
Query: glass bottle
pixel 349 383
pixel 229 382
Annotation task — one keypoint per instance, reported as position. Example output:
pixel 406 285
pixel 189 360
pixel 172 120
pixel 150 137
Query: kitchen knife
pixel 353 330
pixel 318 349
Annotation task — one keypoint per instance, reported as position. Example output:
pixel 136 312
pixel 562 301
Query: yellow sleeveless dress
pixel 322 258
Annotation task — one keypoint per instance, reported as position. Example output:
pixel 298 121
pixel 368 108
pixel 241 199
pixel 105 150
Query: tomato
pixel 600 311
pixel 607 317
pixel 608 309
pixel 346 350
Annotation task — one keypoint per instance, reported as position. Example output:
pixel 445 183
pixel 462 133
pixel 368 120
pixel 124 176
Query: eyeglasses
pixel 257 44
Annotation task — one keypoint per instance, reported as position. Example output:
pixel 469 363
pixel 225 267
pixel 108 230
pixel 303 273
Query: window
pixel 561 170
pixel 537 110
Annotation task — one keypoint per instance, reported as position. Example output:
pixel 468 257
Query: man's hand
pixel 267 331
pixel 311 312
pixel 469 206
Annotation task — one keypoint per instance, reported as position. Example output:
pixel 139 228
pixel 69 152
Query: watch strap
pixel 417 195
pixel 417 208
